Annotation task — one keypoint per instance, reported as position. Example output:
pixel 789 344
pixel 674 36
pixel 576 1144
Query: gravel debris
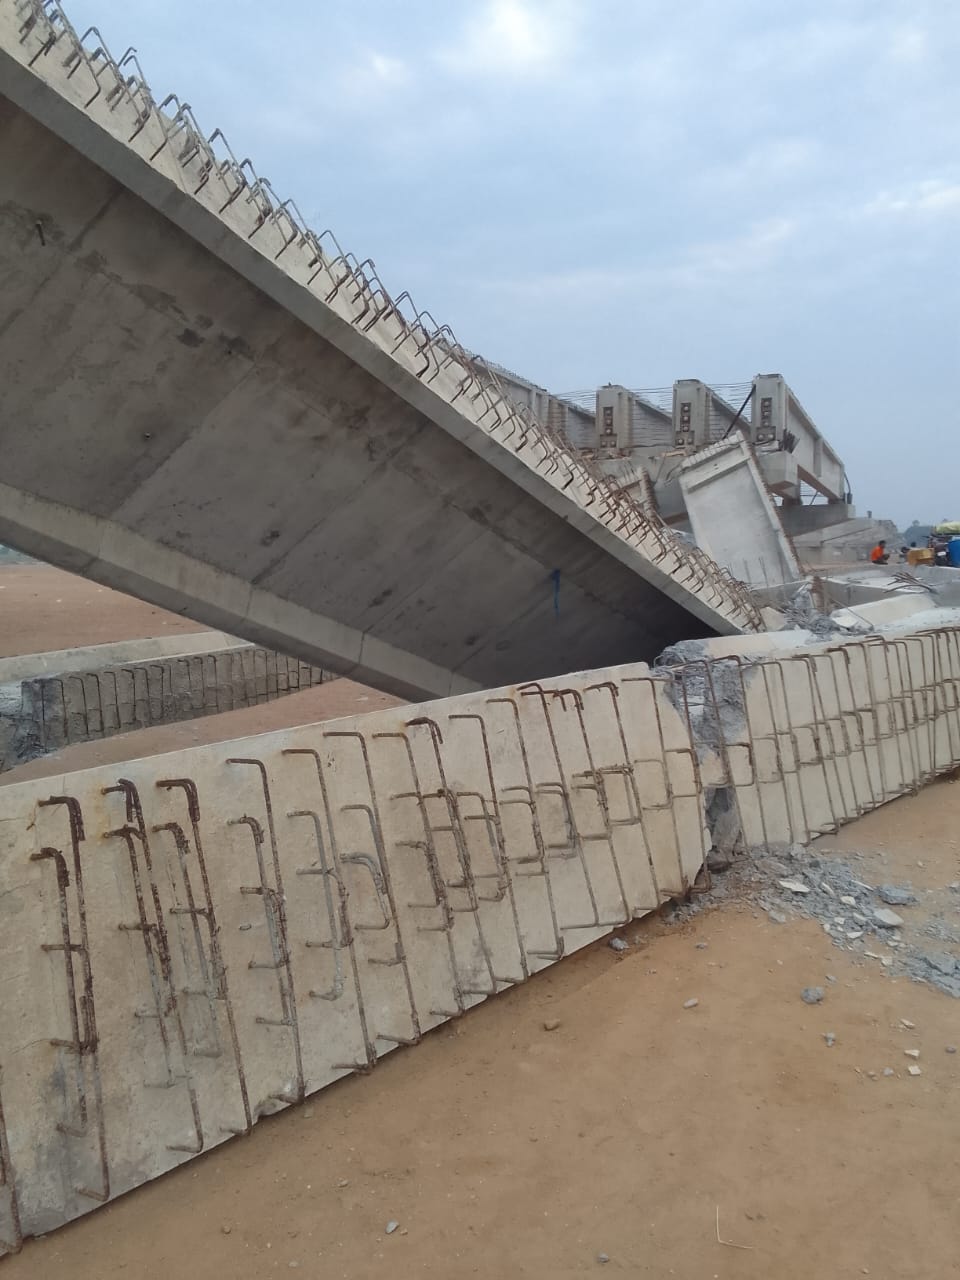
pixel 830 1038
pixel 812 995
pixel 888 919
pixel 551 1024
pixel 769 878
pixel 391 1227
pixel 691 1003
pixel 895 895
pixel 914 1070
pixel 617 944
pixel 795 886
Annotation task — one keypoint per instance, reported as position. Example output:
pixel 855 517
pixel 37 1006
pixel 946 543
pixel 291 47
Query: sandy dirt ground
pixel 626 1133
pixel 43 608
pixel 502 1149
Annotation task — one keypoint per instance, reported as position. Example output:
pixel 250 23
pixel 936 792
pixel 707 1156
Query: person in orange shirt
pixel 879 554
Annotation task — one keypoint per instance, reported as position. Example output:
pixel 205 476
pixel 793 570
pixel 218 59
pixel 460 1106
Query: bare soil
pixel 631 1130
pixel 42 608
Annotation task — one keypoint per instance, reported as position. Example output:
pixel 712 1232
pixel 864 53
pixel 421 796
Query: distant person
pixel 904 554
pixel 879 554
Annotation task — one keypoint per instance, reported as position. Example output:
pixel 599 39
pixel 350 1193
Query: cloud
pixel 931 198
pixel 513 37
pixel 908 44
pixel 698 266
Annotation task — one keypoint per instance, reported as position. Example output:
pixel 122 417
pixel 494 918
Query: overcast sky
pixel 627 191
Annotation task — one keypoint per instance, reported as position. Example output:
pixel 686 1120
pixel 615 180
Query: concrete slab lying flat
pixel 208 406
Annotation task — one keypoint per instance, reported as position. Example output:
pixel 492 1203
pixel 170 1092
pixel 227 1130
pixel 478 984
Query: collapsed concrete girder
pixel 247 427
pixel 195 940
pixel 66 702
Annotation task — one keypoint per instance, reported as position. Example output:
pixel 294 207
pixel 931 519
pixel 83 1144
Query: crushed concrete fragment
pixel 717 863
pixel 551 1024
pixel 848 900
pixel 911 1053
pixel 812 995
pixel 914 1070
pixel 896 895
pixel 757 875
pixel 905 1022
pixel 830 1039
pixel 951 1048
pixel 888 1071
pixel 603 1257
pixel 391 1227
pixel 617 944
pixel 691 1003
pixel 795 886
pixel 888 919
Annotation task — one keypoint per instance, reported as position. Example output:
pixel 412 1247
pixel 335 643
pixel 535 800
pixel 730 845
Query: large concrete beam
pixel 776 410
pixel 207 407
pixel 196 940
pixel 69 703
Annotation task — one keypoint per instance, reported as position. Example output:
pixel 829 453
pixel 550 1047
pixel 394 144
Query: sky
pixel 628 191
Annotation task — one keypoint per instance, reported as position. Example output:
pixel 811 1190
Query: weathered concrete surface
pixel 800 518
pixel 92 657
pixel 232 418
pixel 733 516
pixel 846 541
pixel 205 937
pixel 73 703
pixel 251 920
pixel 876 613
pixel 940 586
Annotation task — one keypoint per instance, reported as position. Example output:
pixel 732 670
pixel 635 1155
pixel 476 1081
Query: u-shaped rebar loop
pixel 259 194
pixel 282 212
pixel 83 55
pixel 440 342
pixel 165 122
pixel 338 282
pixel 138 87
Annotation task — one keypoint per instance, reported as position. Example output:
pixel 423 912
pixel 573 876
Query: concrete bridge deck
pixel 208 405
